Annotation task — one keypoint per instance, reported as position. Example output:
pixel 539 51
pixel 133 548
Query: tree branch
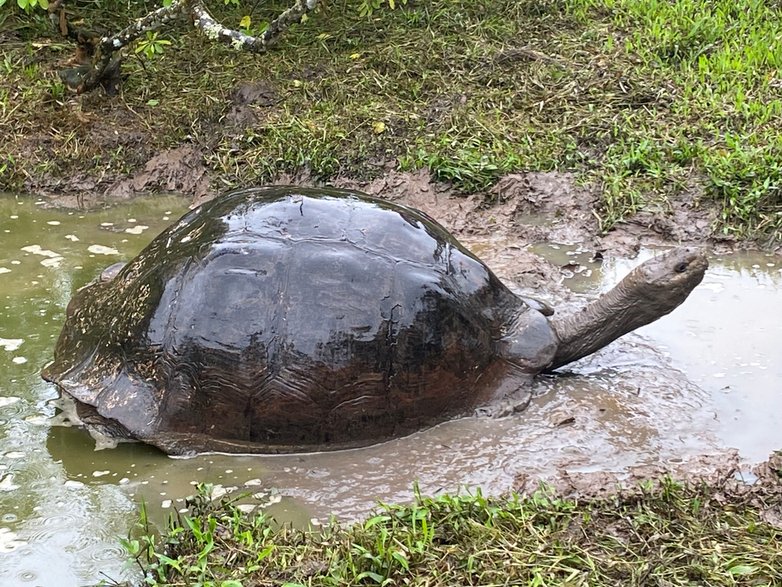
pixel 238 40
pixel 154 20
pixel 98 61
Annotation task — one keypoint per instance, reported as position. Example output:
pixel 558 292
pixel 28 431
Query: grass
pixel 650 101
pixel 665 534
pixel 719 114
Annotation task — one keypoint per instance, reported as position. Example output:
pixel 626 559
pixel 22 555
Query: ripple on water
pixel 96 550
pixel 47 528
pixel 9 540
pixel 27 576
pixel 12 406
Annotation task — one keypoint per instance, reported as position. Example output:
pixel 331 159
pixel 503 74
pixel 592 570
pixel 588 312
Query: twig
pixel 98 58
pixel 238 40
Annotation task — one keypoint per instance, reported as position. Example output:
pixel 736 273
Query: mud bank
pixel 524 208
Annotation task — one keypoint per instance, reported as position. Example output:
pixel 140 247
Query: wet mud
pixel 694 394
pixel 180 170
pixel 533 206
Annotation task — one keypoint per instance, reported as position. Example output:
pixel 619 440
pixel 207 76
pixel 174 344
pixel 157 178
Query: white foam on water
pixel 52 259
pixel 11 344
pixel 7 483
pixel 53 262
pixel 102 250
pixel 39 250
pixel 138 229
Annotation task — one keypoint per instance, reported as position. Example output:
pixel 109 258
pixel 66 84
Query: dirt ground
pixel 521 208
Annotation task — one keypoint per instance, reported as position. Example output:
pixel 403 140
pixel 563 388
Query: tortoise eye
pixel 680 267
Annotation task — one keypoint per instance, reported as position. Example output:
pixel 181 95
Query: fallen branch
pixel 98 57
pixel 238 40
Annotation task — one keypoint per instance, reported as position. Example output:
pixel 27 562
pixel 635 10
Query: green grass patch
pixel 649 100
pixel 716 115
pixel 660 534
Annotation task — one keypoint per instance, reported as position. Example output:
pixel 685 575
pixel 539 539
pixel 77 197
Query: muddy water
pixel 728 340
pixel 707 377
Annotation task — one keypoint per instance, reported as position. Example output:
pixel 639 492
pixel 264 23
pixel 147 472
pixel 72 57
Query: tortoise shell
pixel 289 319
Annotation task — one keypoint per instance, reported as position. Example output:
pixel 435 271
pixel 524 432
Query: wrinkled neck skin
pixel 612 315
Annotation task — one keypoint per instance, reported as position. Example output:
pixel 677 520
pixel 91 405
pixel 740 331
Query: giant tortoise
pixel 286 319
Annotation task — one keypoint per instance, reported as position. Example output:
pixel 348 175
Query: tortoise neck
pixel 612 315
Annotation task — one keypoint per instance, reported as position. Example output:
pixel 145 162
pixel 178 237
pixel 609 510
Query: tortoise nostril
pixel 680 267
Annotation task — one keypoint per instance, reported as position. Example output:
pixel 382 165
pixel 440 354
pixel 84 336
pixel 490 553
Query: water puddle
pixel 54 530
pixel 705 378
pixel 727 339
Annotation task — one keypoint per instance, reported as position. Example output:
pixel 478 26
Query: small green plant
pixel 151 45
pixel 57 90
pixel 368 7
pixel 6 168
pixel 29 5
pixel 247 26
pixel 7 64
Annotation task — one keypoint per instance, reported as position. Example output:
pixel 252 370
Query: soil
pixel 179 170
pixel 522 207
pixel 756 483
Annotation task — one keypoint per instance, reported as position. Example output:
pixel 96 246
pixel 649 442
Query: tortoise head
pixel 648 292
pixel 665 281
